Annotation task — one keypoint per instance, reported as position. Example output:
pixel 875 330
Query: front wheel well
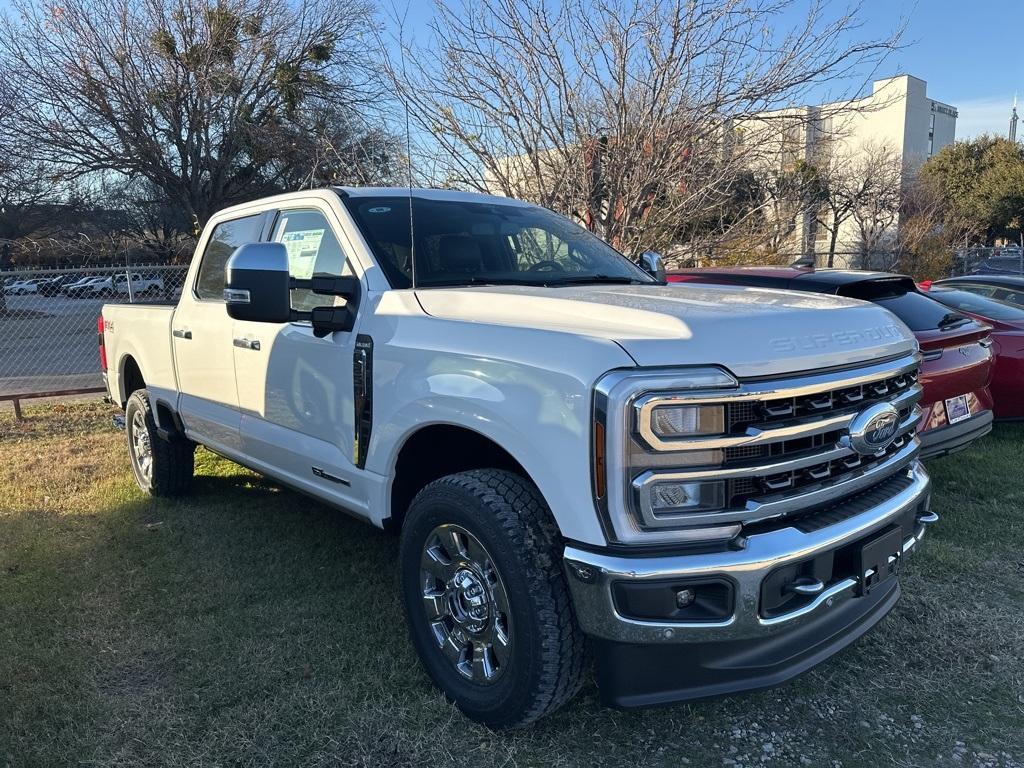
pixel 439 450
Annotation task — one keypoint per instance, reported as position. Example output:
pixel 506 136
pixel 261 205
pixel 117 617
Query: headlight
pixel 640 434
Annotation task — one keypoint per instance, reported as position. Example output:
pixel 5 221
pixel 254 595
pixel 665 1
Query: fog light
pixel 683 420
pixel 685 598
pixel 687 497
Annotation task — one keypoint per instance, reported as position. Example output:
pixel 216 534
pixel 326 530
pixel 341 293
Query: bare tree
pixel 201 100
pixel 619 112
pixel 788 198
pixel 860 187
pixel 876 210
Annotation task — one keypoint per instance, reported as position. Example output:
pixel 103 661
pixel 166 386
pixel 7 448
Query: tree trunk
pixel 833 237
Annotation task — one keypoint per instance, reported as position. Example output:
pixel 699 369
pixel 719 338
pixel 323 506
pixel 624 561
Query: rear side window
pixel 226 237
pixel 899 296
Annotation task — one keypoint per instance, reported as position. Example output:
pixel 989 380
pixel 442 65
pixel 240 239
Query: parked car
pixel 1004 264
pixel 51 286
pixel 1007 321
pixel 95 288
pixel 1005 288
pixel 77 288
pixel 957 358
pixel 142 284
pixel 716 485
pixel 21 287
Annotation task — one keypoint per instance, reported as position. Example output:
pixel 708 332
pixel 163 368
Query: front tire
pixel 161 467
pixel 486 599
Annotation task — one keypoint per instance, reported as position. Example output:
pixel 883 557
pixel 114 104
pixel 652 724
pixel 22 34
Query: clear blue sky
pixel 970 53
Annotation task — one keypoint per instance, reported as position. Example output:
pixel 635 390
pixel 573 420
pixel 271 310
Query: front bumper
pixel 644 662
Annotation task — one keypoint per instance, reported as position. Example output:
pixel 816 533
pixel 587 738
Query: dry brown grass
pixel 247 626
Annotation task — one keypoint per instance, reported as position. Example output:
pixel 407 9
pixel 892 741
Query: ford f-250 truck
pixel 708 489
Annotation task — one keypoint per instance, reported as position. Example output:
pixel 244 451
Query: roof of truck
pixel 254 206
pixel 423 192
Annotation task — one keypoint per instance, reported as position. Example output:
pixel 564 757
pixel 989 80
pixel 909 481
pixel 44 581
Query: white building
pixel 897 118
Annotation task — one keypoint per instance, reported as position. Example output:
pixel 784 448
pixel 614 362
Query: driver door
pixel 295 391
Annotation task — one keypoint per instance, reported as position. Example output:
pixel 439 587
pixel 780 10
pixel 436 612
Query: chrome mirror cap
pixel 652 263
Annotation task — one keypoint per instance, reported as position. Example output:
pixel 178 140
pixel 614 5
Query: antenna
pixel 408 149
pixel 412 220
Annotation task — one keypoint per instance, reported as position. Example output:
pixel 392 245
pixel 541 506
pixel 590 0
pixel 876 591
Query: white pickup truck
pixel 714 486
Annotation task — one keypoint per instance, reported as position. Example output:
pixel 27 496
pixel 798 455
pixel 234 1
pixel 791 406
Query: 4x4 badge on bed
pixel 873 429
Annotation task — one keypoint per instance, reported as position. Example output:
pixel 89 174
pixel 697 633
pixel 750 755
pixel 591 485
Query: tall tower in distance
pixel 1013 120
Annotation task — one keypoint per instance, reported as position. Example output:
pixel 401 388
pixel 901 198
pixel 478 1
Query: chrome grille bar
pixel 784 435
pixel 762 469
pixel 770 434
pixel 768 507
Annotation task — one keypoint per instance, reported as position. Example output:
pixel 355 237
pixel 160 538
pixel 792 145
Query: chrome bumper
pixel 591 575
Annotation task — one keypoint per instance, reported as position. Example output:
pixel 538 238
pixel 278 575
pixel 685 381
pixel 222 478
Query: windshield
pixel 966 301
pixel 484 243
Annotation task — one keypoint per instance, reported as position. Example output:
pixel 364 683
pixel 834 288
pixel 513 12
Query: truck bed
pixel 139 332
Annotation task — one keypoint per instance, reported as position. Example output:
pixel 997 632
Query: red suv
pixel 956 349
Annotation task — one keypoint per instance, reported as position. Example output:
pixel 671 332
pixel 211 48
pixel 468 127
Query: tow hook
pixel 118 421
pixel 806 586
pixel 927 518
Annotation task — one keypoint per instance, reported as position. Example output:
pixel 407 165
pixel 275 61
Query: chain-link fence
pixel 48 321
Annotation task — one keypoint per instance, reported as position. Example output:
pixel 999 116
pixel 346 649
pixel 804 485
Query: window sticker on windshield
pixel 302 245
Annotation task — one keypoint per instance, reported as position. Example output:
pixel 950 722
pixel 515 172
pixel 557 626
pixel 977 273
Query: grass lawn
pixel 249 626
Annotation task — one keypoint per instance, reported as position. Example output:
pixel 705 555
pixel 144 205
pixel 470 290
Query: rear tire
pixel 161 467
pixel 485 541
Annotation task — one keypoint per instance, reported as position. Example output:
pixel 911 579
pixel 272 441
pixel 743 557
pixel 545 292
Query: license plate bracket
pixel 878 559
pixel 957 409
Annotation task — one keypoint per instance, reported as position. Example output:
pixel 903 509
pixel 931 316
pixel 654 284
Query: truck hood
pixel 753 332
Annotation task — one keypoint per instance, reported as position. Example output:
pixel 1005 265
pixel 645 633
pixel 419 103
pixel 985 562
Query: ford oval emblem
pixel 873 429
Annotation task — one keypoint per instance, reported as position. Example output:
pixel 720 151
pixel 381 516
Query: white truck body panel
pixel 141 332
pixel 516 364
pixel 566 383
pixel 765 332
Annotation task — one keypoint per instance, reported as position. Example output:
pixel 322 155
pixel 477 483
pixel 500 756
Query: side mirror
pixel 651 262
pixel 258 284
pixel 259 289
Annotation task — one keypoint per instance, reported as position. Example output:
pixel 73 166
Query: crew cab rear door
pixel 295 390
pixel 202 340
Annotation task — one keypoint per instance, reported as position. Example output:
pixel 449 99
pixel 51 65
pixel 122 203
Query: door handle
pixel 178 333
pixel 247 344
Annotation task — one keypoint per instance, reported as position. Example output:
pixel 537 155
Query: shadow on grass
pixel 140 626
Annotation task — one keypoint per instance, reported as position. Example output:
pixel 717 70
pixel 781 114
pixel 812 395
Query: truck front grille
pixel 782 452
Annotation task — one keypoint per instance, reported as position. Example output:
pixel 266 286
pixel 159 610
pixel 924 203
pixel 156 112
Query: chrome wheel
pixel 141 447
pixel 466 604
